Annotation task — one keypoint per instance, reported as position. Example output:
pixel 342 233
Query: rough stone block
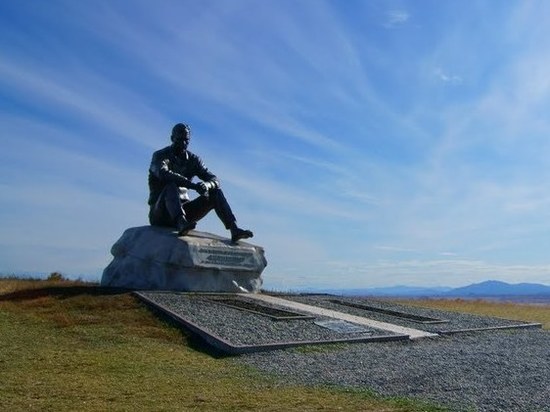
pixel 155 258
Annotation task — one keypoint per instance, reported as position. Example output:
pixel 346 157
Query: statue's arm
pixel 209 179
pixel 160 168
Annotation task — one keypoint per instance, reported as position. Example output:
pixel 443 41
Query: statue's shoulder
pixel 192 156
pixel 165 151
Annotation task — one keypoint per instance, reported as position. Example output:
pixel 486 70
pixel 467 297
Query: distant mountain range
pixel 497 288
pixel 486 289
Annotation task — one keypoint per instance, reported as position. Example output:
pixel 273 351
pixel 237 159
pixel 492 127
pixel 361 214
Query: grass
pixel 507 310
pixel 68 346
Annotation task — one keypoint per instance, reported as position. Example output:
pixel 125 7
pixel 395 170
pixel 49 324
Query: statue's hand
pixel 201 188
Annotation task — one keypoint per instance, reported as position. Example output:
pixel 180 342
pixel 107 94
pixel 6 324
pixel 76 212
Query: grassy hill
pixel 68 346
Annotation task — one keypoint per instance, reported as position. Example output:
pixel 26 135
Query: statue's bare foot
pixel 238 234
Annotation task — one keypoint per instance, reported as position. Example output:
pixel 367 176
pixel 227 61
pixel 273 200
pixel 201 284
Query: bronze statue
pixel 170 177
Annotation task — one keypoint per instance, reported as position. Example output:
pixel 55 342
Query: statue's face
pixel 180 141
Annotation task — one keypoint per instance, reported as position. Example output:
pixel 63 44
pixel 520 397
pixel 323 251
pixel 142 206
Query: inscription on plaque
pixel 210 256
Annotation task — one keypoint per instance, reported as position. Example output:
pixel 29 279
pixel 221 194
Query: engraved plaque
pixel 239 258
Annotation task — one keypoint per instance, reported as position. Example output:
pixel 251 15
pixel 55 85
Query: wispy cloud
pixel 447 77
pixel 63 205
pixel 448 254
pixel 395 18
pixel 443 272
pixel 279 194
pixel 84 95
pixel 395 249
pixel 329 136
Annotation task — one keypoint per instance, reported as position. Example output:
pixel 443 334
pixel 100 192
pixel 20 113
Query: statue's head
pixel 181 135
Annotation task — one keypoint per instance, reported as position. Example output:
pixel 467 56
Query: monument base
pixel 155 258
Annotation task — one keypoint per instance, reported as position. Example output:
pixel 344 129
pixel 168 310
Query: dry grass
pixel 68 346
pixel 507 310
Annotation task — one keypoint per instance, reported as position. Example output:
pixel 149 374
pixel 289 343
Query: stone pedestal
pixel 155 258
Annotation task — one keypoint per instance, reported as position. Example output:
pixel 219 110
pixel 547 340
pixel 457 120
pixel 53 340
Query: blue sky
pixel 366 143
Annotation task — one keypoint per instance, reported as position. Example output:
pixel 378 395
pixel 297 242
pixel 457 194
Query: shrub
pixel 56 276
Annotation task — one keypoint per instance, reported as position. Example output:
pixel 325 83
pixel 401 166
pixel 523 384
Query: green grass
pixel 67 346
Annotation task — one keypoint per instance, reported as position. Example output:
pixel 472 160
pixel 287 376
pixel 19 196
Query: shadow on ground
pixel 61 292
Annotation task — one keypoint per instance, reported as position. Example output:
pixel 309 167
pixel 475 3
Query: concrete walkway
pixel 315 310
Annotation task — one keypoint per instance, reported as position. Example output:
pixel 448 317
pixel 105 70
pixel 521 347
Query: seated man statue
pixel 170 177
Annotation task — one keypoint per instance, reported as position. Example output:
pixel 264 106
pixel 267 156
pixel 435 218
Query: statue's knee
pixel 214 193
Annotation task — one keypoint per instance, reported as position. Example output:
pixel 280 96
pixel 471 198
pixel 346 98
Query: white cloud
pixel 83 95
pixel 395 249
pixel 442 272
pixel 296 109
pixel 395 18
pixel 284 196
pixel 447 77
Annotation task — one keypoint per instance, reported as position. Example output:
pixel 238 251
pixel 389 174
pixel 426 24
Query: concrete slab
pixel 412 333
pixel 392 312
pixel 245 320
pixel 257 322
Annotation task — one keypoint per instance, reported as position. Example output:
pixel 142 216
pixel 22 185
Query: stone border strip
pixel 458 322
pixel 398 314
pixel 489 328
pixel 233 349
pixel 402 330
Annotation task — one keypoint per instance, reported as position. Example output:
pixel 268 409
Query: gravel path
pixel 453 320
pixel 483 371
pixel 246 328
pixel 498 370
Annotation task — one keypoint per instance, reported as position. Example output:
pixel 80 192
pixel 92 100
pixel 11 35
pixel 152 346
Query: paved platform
pixel 243 323
pixel 430 320
pixel 330 313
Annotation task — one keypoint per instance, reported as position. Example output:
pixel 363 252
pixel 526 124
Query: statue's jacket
pixel 167 166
